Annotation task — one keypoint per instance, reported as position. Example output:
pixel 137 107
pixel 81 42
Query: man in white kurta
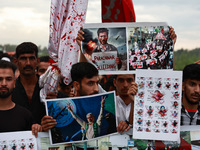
pixel 92 128
pixel 126 89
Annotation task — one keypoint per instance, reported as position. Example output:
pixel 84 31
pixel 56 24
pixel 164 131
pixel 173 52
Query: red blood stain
pixel 64 36
pixel 64 18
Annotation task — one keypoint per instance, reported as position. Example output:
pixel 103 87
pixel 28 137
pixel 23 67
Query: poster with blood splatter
pixel 158 118
pixel 18 141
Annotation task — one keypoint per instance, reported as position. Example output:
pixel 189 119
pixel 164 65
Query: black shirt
pixel 15 119
pixel 36 107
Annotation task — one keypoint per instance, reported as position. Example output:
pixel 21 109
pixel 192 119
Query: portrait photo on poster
pixel 105 47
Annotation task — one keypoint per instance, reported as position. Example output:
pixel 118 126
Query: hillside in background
pixel 182 57
pixel 42 51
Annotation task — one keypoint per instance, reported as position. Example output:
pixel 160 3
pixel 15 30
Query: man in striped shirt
pixel 190 112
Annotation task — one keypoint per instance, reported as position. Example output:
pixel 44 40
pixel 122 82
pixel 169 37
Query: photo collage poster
pixel 157 105
pixel 74 117
pixel 124 47
pixel 18 141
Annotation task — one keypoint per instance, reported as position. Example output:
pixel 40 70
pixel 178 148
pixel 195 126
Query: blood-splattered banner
pixel 66 18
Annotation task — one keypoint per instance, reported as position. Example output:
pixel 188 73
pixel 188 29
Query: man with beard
pixel 126 89
pixel 190 112
pixel 13 116
pixel 85 82
pixel 92 127
pixel 26 92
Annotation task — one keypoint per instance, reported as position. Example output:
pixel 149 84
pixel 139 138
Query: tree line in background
pixel 42 51
pixel 182 57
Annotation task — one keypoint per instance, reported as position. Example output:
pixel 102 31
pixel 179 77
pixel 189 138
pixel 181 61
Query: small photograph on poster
pixel 106 47
pixel 82 118
pixel 150 47
pixel 18 141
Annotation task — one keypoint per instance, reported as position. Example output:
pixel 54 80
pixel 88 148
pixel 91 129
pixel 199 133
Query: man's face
pixel 7 82
pixel 89 86
pixel 123 83
pixel 27 64
pixel 191 91
pixel 103 37
pixel 42 67
pixel 90 118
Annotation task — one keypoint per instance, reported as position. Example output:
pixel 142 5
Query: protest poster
pixel 82 118
pixel 18 140
pixel 104 38
pixel 157 105
pixel 105 60
pixel 138 45
pixel 150 47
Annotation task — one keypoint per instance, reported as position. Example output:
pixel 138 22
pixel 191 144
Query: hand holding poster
pixel 148 45
pixel 82 118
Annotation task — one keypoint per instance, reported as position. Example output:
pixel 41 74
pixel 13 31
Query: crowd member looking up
pixel 126 89
pixel 26 92
pixel 13 116
pixel 190 112
pixel 43 65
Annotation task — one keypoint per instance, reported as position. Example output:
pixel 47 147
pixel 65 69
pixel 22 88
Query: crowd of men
pixel 21 108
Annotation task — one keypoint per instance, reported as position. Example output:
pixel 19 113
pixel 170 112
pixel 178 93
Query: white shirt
pixel 122 110
pixel 90 132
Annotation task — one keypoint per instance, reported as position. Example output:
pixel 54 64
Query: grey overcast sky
pixel 28 20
